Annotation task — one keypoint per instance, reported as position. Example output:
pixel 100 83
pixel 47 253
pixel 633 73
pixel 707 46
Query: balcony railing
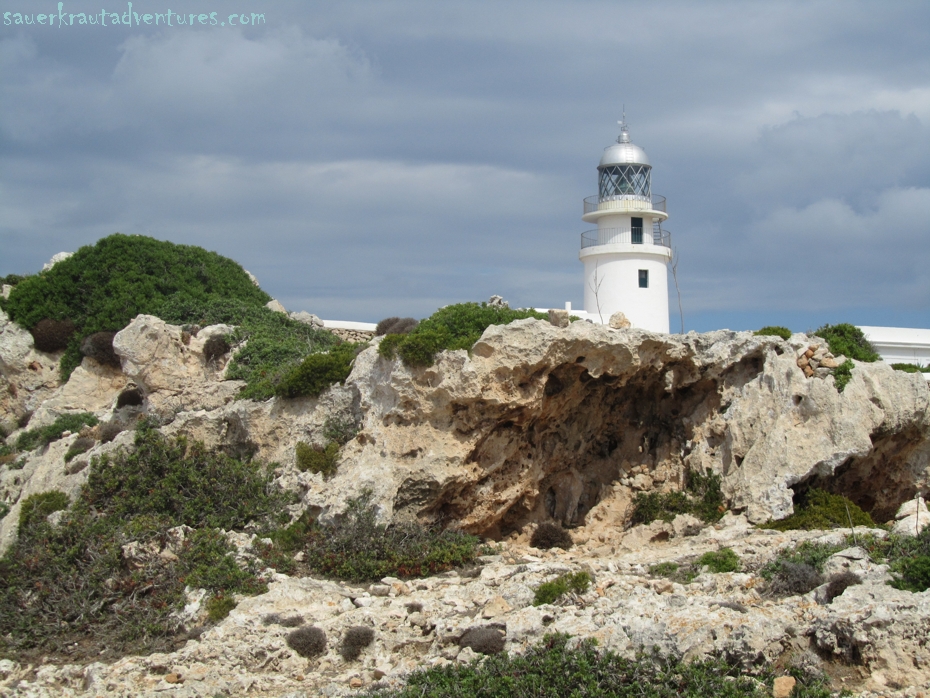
pixel 627 202
pixel 617 236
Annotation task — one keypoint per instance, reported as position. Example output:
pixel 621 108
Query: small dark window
pixel 644 278
pixel 636 231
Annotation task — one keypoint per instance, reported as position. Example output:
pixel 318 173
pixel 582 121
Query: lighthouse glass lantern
pixel 626 257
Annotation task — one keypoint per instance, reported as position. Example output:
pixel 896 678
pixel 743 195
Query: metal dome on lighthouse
pixel 626 257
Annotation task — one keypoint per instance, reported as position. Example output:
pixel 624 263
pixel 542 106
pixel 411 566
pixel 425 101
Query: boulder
pixel 558 318
pixel 60 257
pixel 307 319
pixel 618 321
pixel 912 517
pixel 276 306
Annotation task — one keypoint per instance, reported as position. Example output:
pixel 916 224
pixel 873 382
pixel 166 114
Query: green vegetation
pixel 73 583
pixel 911 368
pixel 723 560
pixel 357 548
pixel 453 327
pixel 849 341
pixel 817 509
pixel 102 287
pixel 908 556
pixel 37 507
pixel 319 371
pixel 774 331
pixel 842 374
pixel 315 459
pixel 664 569
pixel 553 670
pixel 218 607
pixel 703 498
pixel 11 279
pixel 550 592
pixel 4 509
pixel 275 345
pixel 35 438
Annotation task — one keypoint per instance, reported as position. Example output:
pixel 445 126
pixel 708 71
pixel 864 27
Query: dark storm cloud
pixel 366 159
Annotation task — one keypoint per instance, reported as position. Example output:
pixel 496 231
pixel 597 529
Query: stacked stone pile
pixel 816 360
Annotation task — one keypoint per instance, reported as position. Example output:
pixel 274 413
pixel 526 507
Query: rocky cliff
pixel 537 423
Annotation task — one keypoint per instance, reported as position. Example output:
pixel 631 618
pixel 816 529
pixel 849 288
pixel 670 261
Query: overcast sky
pixel 367 159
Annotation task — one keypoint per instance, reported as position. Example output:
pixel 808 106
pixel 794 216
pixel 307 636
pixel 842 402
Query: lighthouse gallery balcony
pixel 616 236
pixel 625 202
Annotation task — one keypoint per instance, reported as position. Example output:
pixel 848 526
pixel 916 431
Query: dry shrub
pixel 356 639
pixel 99 346
pixel 794 578
pixel 395 325
pixel 308 642
pixel 548 535
pixel 483 640
pixel 215 347
pixel 840 582
pixel 81 445
pixel 109 430
pixel 288 622
pixel 52 335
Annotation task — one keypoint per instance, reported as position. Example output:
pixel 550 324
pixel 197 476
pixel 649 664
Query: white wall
pixel 900 345
pixel 616 278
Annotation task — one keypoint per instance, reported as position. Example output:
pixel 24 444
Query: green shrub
pixel 453 327
pixel 553 670
pixel 102 287
pixel 723 560
pixel 842 374
pixel 218 607
pixel 774 331
pixel 664 569
pixel 849 341
pixel 908 557
pixel 318 371
pixel 36 438
pixel 37 507
pixel 71 583
pixel 703 499
pixel 317 460
pixel 911 368
pixel 357 548
pixel 274 345
pixel 340 429
pixel 552 591
pixel 818 509
pixel 4 509
pixel 11 279
pixel 183 481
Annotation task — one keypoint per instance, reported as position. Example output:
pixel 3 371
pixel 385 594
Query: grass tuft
pixel 552 591
pixel 773 331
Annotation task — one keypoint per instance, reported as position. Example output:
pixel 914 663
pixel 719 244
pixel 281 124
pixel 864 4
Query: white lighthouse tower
pixel 626 257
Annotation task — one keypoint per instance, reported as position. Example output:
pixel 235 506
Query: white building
pixel 626 257
pixel 900 345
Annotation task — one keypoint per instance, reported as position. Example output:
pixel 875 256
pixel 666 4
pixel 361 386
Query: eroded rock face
pixel 543 422
pixel 27 376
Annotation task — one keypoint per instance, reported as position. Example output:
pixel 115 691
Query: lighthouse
pixel 626 257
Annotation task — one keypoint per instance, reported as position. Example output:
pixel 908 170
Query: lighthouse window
pixel 644 278
pixel 636 231
pixel 624 180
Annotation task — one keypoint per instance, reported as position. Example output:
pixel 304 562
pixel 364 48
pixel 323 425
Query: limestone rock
pixel 27 376
pixel 912 517
pixel 307 319
pixel 498 302
pixel 276 306
pixel 619 321
pixel 60 257
pixel 5 290
pixel 783 686
pixel 558 318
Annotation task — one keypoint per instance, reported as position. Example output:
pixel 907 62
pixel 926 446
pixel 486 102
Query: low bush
pixel 99 346
pixel 215 347
pixel 849 341
pixel 340 429
pixel 552 591
pixel 72 583
pixel 82 444
pixel 703 498
pixel 842 374
pixel 484 640
pixel 798 570
pixel 219 606
pixel 395 325
pixel 36 438
pixel 356 638
pixel 52 335
pixel 664 569
pixel 817 509
pixel 319 371
pixel 839 583
pixel 911 368
pixel 308 642
pixel 908 557
pixel 723 560
pixel 4 509
pixel 456 326
pixel 357 548
pixel 553 669
pixel 774 331
pixel 37 507
pixel 549 535
pixel 316 459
